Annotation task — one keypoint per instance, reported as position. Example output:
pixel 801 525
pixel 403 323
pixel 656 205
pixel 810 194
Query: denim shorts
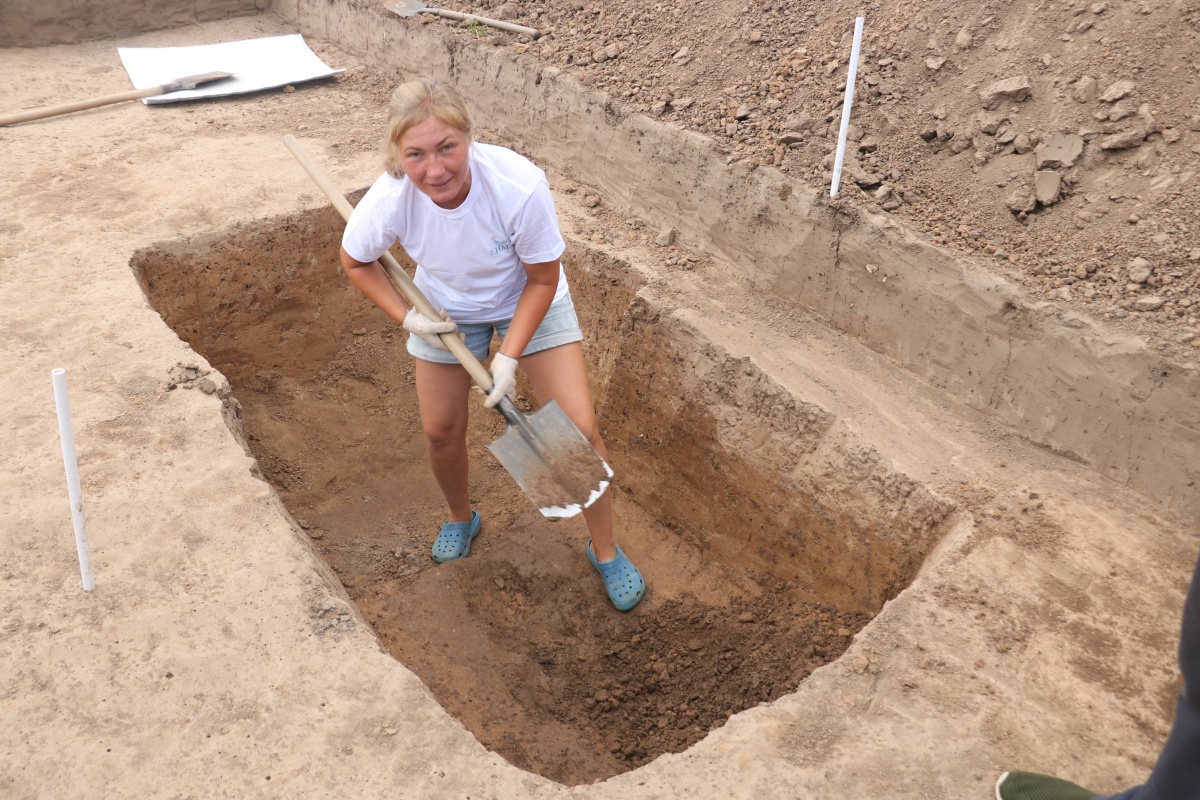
pixel 560 326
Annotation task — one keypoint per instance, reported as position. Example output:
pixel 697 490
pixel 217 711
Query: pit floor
pixel 217 657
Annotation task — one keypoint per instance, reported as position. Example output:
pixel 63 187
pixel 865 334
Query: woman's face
pixel 434 157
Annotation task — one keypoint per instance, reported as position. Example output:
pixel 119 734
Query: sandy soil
pixel 1038 633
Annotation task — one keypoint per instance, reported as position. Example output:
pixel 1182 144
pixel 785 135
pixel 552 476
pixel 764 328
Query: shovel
pixel 550 459
pixel 410 8
pixel 190 82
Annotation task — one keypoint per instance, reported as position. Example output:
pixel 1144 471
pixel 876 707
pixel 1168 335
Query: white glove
pixel 427 329
pixel 504 380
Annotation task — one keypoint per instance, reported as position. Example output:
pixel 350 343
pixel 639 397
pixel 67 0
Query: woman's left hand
pixel 540 285
pixel 504 380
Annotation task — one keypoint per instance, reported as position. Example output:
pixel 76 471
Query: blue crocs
pixel 622 581
pixel 454 540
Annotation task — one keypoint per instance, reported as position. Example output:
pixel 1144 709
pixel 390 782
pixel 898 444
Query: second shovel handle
pixel 67 108
pixel 404 284
pixel 495 23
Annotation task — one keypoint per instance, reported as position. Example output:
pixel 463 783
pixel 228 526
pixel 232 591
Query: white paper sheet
pixel 257 64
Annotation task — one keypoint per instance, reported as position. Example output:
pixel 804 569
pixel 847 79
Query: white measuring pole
pixel 850 76
pixel 67 435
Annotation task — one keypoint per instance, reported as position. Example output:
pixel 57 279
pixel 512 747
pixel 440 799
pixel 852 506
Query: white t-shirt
pixel 469 259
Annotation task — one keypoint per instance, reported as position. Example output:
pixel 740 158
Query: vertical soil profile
pixel 754 582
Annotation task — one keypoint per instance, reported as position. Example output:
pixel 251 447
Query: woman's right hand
pixel 504 380
pixel 427 329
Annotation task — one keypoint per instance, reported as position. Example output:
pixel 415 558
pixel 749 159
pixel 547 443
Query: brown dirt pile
pixel 1059 141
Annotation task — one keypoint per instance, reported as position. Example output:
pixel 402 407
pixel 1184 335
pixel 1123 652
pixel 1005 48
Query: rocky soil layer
pixel 1060 142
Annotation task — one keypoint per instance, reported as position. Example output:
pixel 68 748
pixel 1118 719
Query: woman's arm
pixel 374 283
pixel 540 287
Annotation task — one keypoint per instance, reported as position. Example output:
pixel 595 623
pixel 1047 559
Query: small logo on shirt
pixel 500 247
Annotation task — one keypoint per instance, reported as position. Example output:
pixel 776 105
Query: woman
pixel 479 222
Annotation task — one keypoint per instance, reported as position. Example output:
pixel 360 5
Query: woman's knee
pixel 591 431
pixel 445 436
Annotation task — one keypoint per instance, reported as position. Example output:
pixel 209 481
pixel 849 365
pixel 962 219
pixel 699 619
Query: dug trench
pixel 766 541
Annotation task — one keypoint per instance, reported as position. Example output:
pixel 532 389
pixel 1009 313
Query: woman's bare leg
pixel 559 374
pixel 442 391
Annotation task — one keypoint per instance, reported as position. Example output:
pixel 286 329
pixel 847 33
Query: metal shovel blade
pixel 408 8
pixel 551 460
pixel 192 81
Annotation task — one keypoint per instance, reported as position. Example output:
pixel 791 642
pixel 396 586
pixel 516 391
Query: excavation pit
pixel 767 541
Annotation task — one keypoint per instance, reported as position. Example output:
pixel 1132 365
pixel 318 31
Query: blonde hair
pixel 414 102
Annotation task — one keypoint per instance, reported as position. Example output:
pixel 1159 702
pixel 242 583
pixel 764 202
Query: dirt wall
pixel 32 23
pixel 759 476
pixel 1055 378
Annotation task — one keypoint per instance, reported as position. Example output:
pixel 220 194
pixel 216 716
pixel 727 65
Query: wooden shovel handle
pixel 66 108
pixel 399 277
pixel 495 23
